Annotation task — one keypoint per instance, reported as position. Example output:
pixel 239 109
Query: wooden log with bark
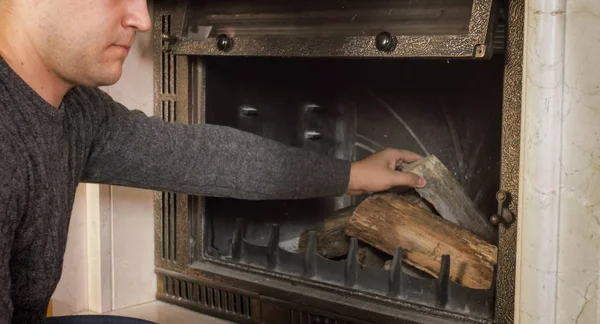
pixel 385 221
pixel 332 241
pixel 414 198
pixel 370 257
pixel 449 198
pixel 408 269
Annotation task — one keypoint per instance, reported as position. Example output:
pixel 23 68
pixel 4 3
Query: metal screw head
pixel 224 43
pixel 480 51
pixel 385 42
pixel 169 41
pixel 495 219
pixel 500 195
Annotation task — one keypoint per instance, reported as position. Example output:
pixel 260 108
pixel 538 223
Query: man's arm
pixel 128 148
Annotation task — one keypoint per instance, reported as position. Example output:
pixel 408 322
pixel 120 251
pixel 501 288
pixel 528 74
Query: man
pixel 57 129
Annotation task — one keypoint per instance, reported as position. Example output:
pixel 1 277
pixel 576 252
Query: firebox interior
pixel 348 109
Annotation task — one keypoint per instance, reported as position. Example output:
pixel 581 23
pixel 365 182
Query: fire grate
pixel 395 283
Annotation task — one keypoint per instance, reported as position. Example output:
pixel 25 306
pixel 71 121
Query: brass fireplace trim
pixel 509 171
pixel 172 223
pixel 476 43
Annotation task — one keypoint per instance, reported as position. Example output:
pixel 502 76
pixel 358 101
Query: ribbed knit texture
pixel 46 152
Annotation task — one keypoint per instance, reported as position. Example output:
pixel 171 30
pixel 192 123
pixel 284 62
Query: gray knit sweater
pixel 45 152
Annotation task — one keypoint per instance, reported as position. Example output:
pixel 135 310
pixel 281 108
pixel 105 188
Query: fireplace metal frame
pixel 207 286
pixel 475 43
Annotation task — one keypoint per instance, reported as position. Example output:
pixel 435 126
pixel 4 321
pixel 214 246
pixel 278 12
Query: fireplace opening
pixel 349 108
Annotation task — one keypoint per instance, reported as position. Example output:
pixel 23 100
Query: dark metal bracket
pixel 503 215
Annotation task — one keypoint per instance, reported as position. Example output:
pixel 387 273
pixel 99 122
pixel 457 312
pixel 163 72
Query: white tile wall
pixel 71 294
pixel 559 258
pixel 133 244
pixel 579 253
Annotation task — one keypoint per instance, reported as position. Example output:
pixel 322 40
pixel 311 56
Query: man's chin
pixel 108 77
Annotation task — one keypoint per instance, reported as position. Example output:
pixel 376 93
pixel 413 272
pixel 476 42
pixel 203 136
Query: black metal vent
pixel 299 317
pixel 168 62
pixel 169 226
pixel 218 300
pixel 169 111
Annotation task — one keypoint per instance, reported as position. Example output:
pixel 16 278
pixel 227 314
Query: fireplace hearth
pixel 345 79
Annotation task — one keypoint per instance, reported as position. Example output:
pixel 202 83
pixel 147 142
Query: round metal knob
pixel 501 195
pixel 224 43
pixel 385 42
pixel 495 220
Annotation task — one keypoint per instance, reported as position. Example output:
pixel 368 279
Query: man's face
pixel 85 42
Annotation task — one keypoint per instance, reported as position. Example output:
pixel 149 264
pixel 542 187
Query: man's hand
pixel 378 172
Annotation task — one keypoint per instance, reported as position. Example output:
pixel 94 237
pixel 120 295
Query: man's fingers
pixel 407 179
pixel 404 155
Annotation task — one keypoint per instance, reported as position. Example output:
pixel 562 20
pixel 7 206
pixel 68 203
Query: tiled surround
pixel 71 295
pixel 560 196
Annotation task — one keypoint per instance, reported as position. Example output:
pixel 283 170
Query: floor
pixel 163 313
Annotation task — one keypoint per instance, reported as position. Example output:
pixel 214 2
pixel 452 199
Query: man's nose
pixel 137 15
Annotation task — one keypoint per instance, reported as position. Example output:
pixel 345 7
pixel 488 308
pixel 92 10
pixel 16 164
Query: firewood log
pixel 414 198
pixel 332 242
pixel 385 221
pixel 370 257
pixel 449 198
pixel 408 269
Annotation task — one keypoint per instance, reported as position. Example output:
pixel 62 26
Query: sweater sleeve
pixel 131 149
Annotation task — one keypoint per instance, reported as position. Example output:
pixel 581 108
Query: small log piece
pixel 408 269
pixel 449 198
pixel 414 198
pixel 370 257
pixel 332 241
pixel 385 221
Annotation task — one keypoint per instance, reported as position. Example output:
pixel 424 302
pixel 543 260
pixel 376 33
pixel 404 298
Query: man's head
pixel 84 42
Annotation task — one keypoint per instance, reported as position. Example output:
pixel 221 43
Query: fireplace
pixel 344 78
